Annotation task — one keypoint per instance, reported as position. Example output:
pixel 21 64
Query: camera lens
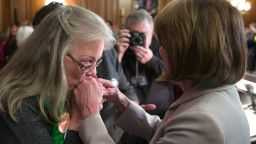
pixel 137 38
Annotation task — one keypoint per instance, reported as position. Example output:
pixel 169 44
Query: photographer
pixel 138 52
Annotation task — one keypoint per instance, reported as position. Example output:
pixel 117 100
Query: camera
pixel 137 38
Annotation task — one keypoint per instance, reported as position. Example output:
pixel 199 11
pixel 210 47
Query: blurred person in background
pixel 11 44
pixel 251 43
pixel 111 26
pixel 138 52
pixel 3 43
pixel 23 33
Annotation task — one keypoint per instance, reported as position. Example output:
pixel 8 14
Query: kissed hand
pixel 88 97
pixel 112 93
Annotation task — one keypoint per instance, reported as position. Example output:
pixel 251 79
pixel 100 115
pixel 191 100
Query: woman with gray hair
pixel 53 72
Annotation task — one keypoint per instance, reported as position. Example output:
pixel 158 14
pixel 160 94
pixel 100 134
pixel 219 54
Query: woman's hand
pixel 88 97
pixel 75 116
pixel 112 93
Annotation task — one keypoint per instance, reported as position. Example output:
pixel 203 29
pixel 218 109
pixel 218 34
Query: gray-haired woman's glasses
pixel 85 67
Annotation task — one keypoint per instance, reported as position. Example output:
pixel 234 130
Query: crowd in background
pixel 13 38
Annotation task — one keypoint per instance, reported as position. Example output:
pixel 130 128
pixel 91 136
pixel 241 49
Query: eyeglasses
pixel 87 66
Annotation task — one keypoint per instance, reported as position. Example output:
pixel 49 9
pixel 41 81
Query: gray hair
pixel 137 17
pixel 37 68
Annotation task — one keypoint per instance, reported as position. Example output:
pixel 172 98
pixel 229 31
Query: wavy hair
pixel 37 68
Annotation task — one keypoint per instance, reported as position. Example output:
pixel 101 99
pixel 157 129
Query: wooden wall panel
pixel 26 9
pixel 18 8
pixel 35 5
pixel 73 2
pixel 125 7
pixel 113 10
pixel 1 15
pixel 107 9
pixel 250 16
pixel 5 19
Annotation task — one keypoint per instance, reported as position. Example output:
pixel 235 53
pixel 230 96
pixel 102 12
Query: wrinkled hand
pixel 88 97
pixel 143 55
pixel 112 93
pixel 75 116
pixel 123 41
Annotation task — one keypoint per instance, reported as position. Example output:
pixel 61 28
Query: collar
pixel 195 92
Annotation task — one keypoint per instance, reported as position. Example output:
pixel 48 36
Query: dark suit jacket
pixel 111 69
pixel 151 70
pixel 31 128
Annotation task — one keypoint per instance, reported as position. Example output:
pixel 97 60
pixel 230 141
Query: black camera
pixel 137 38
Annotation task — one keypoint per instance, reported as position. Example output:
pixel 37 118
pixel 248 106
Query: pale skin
pixel 143 53
pixel 87 91
pixel 113 94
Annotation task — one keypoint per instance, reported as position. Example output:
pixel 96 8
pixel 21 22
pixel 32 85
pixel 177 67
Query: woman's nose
pixel 92 72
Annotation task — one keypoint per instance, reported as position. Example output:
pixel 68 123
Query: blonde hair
pixel 204 40
pixel 37 68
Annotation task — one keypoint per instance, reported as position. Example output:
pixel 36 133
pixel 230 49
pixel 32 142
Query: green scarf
pixel 57 136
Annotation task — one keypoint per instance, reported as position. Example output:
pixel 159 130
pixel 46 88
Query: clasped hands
pixel 87 99
pixel 90 93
